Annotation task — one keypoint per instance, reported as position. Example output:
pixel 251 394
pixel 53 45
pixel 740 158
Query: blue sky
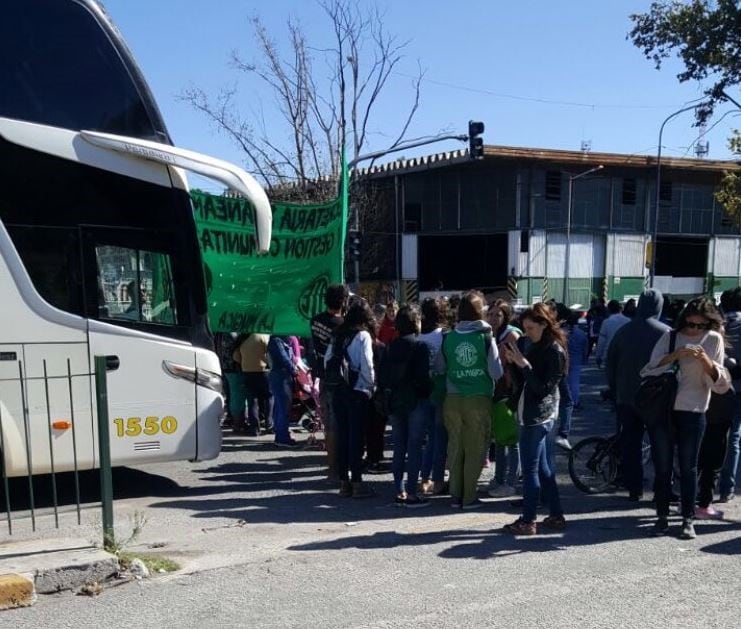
pixel 513 65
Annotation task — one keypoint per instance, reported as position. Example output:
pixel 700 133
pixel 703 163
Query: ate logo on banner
pixel 311 299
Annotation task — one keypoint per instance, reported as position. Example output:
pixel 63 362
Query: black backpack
pixel 337 371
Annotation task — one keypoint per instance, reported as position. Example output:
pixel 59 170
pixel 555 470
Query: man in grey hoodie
pixel 629 350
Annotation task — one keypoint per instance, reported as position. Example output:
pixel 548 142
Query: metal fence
pixel 21 423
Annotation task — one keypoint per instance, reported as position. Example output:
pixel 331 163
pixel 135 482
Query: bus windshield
pixel 62 66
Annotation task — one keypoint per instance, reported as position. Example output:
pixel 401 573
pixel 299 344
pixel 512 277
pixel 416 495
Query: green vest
pixel 466 360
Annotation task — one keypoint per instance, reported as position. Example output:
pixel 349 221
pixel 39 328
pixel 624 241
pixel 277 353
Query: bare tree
pixel 322 112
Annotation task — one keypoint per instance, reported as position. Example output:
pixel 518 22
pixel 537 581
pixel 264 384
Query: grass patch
pixel 155 563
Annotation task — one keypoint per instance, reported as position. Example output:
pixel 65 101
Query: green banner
pixel 274 293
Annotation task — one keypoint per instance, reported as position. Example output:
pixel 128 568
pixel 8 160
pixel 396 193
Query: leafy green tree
pixel 704 34
pixel 729 191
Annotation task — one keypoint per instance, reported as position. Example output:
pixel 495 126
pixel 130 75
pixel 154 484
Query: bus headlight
pixel 202 377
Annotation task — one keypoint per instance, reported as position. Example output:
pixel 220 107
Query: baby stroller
pixel 305 406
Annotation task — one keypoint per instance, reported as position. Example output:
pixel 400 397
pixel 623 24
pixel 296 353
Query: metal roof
pixel 582 158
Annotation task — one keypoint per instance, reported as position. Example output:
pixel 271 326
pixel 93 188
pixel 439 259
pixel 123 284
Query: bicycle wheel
pixel 592 464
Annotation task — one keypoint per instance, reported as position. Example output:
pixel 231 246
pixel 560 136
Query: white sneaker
pixel 563 442
pixel 502 491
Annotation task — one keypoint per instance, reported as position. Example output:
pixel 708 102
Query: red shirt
pixel 387 331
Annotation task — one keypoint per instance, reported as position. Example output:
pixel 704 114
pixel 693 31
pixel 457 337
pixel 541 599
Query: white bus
pixel 99 254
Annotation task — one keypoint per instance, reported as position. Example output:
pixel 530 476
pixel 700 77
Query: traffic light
pixel 353 239
pixel 475 141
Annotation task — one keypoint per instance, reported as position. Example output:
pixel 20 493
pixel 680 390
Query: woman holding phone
pixel 699 357
pixel 537 375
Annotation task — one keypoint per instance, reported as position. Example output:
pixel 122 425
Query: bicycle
pixel 594 462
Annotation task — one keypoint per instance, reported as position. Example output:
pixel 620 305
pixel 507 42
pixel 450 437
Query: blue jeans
pixel 565 408
pixel 631 427
pixel 433 458
pixel 408 436
pixel 574 382
pixel 537 475
pixel 282 391
pixel 685 430
pixel 727 483
pixel 507 462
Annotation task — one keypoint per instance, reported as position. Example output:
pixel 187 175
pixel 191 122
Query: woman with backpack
pixel 434 323
pixel 349 371
pixel 470 361
pixel 404 384
pixel 537 375
pixel 697 357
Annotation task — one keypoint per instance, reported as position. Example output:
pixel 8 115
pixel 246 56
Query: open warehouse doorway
pixel 456 263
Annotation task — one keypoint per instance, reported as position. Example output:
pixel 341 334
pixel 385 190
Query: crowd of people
pixel 440 371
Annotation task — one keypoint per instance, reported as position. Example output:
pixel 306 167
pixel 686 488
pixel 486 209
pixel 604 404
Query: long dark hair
pixel 433 314
pixel 701 307
pixel 506 308
pixel 552 332
pixel 359 317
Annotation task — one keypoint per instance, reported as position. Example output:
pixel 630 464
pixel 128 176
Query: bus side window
pixel 51 257
pixel 135 285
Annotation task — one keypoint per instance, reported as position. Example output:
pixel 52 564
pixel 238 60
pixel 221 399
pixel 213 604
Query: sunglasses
pixel 697 326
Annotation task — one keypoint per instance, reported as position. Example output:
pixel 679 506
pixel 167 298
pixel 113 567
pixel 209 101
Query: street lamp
pixel 572 178
pixel 655 234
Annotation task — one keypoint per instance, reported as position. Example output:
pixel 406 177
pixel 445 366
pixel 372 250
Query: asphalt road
pixel 264 542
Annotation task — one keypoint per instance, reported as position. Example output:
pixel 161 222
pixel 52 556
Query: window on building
pixel 725 220
pixel 629 191
pixel 412 217
pixel 553 185
pixel 665 191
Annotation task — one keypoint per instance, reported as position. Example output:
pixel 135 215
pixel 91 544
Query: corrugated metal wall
pixel 537 254
pixel 586 257
pixel 725 257
pixel 409 257
pixel 515 259
pixel 626 255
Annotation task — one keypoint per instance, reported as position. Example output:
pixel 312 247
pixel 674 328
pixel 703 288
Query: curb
pixel 49 566
pixel 76 575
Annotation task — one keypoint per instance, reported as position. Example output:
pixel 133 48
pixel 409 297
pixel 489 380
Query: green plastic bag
pixel 503 424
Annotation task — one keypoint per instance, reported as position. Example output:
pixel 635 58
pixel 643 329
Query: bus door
pixel 45 395
pixel 136 321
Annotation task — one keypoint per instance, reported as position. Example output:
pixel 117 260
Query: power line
pixel 532 99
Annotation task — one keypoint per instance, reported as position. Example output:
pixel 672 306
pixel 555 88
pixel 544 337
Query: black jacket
pixel 539 382
pixel 631 347
pixel 405 369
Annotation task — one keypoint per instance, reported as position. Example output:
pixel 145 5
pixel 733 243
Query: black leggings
pixel 351 413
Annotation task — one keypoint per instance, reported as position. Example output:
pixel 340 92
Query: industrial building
pixel 446 223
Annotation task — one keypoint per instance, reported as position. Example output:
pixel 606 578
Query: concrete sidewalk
pixel 45 566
